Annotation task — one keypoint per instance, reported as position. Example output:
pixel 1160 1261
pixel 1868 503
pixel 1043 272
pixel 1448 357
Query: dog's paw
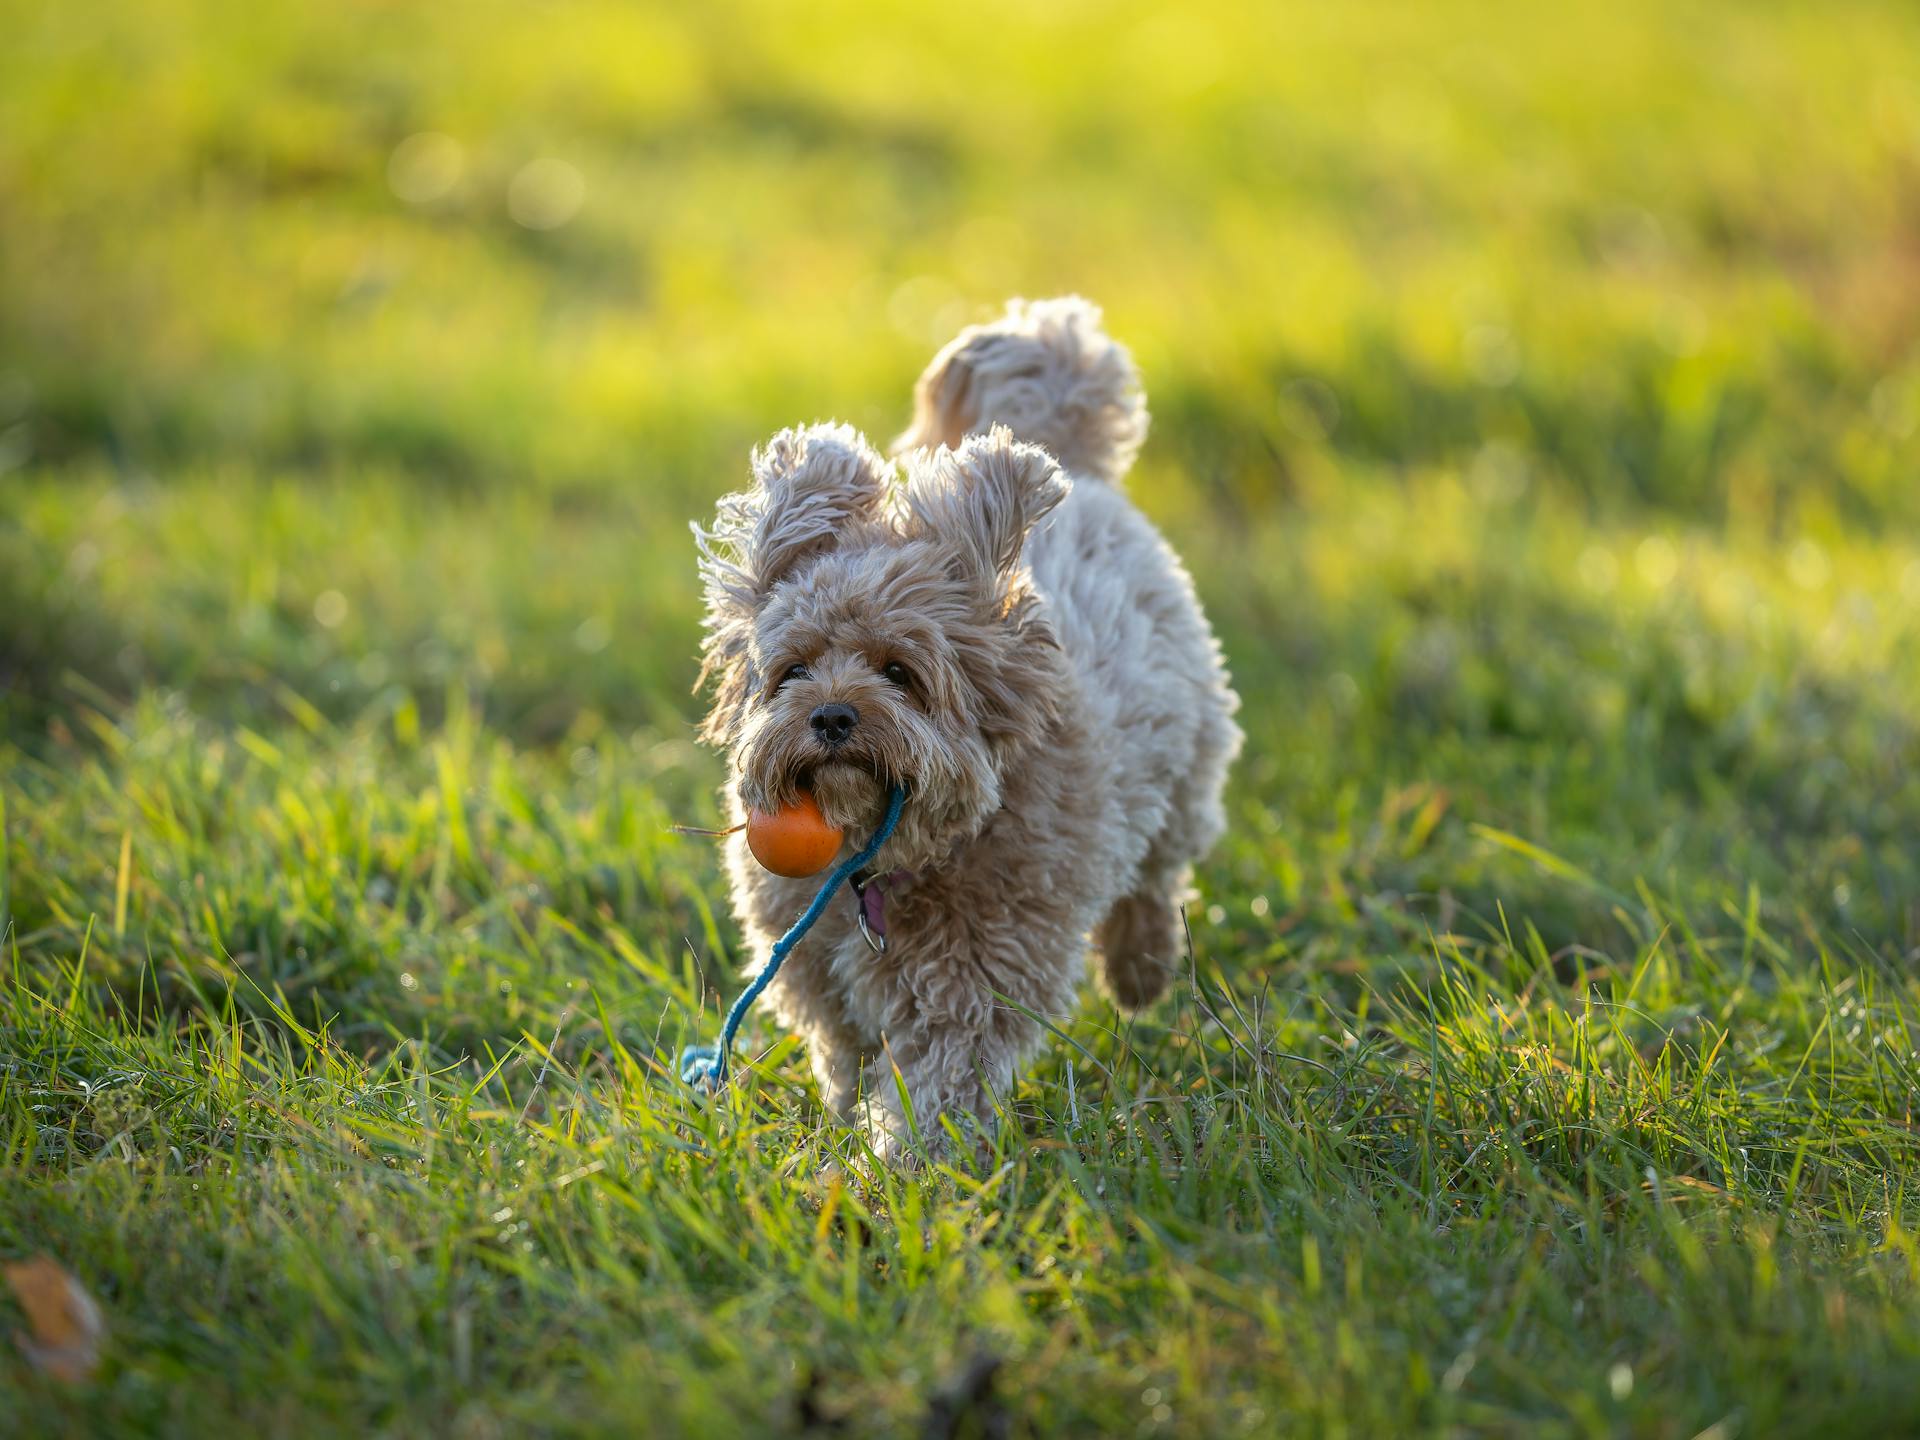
pixel 1139 942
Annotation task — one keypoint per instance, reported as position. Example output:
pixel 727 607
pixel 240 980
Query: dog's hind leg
pixel 1142 940
pixel 1140 945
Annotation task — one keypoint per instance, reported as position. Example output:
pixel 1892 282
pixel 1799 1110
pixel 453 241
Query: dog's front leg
pixel 951 1040
pixel 931 1071
pixel 955 1062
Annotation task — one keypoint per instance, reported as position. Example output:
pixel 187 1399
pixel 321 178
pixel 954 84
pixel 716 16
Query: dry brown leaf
pixel 67 1326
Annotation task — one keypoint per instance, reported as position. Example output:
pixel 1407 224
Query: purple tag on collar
pixel 873 899
pixel 873 905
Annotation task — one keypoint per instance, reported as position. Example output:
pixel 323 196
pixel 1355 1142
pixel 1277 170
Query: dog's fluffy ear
pixel 810 486
pixel 981 499
pixel 978 503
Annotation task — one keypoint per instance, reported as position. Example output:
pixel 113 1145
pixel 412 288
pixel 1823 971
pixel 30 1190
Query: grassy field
pixel 1537 396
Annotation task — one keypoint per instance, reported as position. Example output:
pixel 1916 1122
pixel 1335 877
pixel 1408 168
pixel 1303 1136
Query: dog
pixel 1007 637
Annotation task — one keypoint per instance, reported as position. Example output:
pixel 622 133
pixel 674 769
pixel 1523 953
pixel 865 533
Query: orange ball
pixel 795 842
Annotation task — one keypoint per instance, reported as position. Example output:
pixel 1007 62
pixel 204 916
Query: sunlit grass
pixel 1538 1194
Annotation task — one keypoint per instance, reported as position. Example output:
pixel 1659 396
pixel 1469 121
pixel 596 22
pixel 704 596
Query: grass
pixel 1536 398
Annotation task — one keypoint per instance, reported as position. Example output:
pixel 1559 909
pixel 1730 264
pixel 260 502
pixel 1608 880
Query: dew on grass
pixel 1681 329
pixel 1910 581
pixel 1657 561
pixel 1499 473
pixel 330 609
pixel 545 194
pixel 926 308
pixel 1894 408
pixel 592 635
pixel 1492 355
pixel 425 167
pixel 1807 565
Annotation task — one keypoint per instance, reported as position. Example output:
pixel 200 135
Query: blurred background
pixel 1535 393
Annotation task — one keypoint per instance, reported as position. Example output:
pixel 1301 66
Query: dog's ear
pixel 981 499
pixel 810 487
pixel 978 503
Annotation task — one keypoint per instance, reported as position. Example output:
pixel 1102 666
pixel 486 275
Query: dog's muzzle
pixel 832 724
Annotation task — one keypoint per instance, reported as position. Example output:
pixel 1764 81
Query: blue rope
pixel 706 1065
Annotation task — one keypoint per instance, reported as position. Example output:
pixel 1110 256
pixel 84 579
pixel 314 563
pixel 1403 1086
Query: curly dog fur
pixel 1025 654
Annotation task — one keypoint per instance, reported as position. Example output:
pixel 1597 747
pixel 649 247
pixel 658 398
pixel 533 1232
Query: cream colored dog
pixel 1007 637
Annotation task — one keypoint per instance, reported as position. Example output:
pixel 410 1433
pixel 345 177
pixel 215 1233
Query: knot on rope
pixel 701 1067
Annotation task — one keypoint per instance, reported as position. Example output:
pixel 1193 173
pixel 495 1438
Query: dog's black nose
pixel 834 723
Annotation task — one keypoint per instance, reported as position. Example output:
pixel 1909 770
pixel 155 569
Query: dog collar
pixel 870 903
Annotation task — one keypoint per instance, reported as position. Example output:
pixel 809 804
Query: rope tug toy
pixel 705 1066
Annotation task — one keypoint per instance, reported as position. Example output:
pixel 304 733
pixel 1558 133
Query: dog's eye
pixel 795 672
pixel 897 673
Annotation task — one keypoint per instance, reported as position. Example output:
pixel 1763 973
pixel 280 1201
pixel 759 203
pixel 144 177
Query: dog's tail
pixel 1048 372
